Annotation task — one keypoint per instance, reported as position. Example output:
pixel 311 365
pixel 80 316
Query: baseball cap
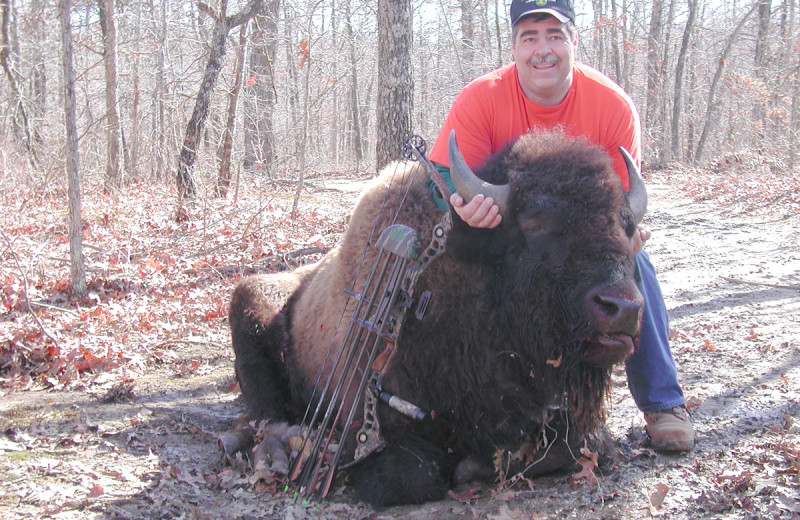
pixel 561 9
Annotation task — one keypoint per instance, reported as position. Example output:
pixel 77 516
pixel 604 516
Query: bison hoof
pixel 235 441
pixel 273 450
pixel 272 453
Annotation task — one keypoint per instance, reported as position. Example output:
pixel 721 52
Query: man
pixel 544 88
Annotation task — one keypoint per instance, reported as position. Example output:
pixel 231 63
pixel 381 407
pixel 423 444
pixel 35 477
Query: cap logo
pixel 540 3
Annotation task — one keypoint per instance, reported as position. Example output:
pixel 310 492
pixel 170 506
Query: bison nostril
pixel 617 314
pixel 608 306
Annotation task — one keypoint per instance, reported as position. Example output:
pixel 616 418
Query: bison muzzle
pixel 513 355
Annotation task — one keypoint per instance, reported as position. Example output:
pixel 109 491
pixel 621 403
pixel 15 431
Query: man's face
pixel 545 54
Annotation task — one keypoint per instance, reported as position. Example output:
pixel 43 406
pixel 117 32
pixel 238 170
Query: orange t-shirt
pixel 492 111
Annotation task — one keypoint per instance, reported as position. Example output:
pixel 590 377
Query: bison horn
pixel 468 184
pixel 637 194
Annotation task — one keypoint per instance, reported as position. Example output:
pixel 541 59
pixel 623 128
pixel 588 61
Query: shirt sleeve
pixel 469 117
pixel 627 134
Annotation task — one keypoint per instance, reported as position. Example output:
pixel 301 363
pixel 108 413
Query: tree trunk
pixel 615 37
pixel 333 127
pixel 224 178
pixel 355 118
pixel 676 101
pixel 500 41
pixel 114 177
pixel 599 40
pixel 159 147
pixel 760 63
pixel 305 63
pixel 665 126
pixel 655 79
pixel 260 95
pixel 395 84
pixel 77 268
pixel 468 37
pixel 194 129
pixel 794 125
pixel 292 87
pixel 134 146
pixel 7 61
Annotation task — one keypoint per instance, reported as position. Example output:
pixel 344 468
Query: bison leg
pixel 564 445
pixel 408 470
pixel 260 341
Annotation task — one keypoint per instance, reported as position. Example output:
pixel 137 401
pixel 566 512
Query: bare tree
pixel 158 103
pixel 348 91
pixel 133 167
pixel 616 24
pixel 7 61
pixel 794 120
pixel 468 37
pixel 305 63
pixel 113 127
pixel 224 177
pixel 194 129
pixel 712 92
pixel 654 69
pixel 260 92
pixel 395 84
pixel 678 91
pixel 355 118
pixel 760 64
pixel 77 267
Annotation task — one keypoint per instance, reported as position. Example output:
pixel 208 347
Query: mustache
pixel 540 60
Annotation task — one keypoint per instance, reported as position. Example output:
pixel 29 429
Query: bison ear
pixel 637 194
pixel 468 184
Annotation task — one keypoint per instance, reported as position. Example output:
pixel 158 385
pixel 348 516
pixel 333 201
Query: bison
pixel 512 358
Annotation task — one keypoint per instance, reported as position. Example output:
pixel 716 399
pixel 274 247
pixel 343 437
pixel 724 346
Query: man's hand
pixel 480 212
pixel 640 236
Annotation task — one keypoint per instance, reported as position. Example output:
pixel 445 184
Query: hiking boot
pixel 670 429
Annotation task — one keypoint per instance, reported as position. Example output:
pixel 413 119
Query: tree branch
pixel 207 9
pixel 245 14
pixel 25 289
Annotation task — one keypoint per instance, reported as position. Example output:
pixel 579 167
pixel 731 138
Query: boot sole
pixel 672 445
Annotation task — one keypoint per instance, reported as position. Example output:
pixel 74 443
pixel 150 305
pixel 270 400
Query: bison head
pixel 565 272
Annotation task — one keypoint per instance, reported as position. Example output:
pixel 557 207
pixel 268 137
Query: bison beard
pixel 518 341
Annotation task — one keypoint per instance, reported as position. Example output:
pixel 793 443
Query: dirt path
pixel 732 285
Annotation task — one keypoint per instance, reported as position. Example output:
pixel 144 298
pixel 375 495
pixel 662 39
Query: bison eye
pixel 532 226
pixel 630 227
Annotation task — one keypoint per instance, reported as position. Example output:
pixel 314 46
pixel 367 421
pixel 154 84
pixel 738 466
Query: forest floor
pixel 110 407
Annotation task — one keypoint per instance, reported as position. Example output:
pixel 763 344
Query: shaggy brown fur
pixel 515 328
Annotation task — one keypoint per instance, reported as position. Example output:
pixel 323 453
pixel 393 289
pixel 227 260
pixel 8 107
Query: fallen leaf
pixel 466 496
pixel 693 402
pixel 656 498
pixel 588 462
pixel 708 346
pixel 96 491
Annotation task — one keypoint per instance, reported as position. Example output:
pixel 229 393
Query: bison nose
pixel 616 313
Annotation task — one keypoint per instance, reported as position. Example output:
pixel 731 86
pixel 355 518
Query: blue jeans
pixel 652 376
